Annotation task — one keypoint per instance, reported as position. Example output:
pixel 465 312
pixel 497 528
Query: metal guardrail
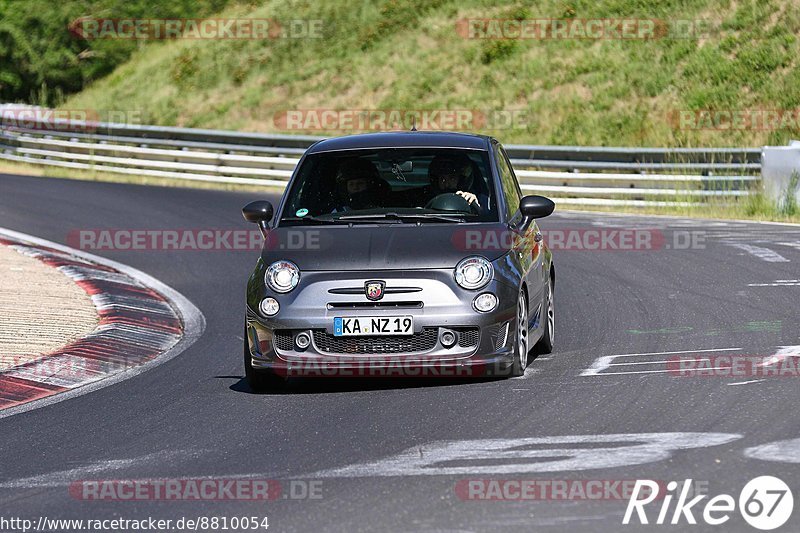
pixel 577 175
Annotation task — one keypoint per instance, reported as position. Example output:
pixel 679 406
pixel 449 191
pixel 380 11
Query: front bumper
pixel 484 340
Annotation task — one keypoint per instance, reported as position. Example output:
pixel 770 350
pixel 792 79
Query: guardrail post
pixel 780 168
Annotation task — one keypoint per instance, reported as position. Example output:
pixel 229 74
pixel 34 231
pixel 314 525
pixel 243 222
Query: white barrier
pixel 600 176
pixel 780 170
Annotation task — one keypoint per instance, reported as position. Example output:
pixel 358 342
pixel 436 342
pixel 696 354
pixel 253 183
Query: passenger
pixel 358 186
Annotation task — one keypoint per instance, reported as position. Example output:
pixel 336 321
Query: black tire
pixel 545 344
pixel 521 346
pixel 260 380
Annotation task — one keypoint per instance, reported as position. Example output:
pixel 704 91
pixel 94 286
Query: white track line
pixel 677 372
pixel 765 254
pixel 658 361
pixel 782 353
pixel 604 362
pixel 194 323
pixel 671 353
pixel 746 382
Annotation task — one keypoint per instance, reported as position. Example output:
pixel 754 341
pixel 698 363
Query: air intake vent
pixel 418 342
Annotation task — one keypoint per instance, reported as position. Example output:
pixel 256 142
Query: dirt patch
pixel 41 309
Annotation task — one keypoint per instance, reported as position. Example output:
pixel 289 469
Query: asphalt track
pixel 194 416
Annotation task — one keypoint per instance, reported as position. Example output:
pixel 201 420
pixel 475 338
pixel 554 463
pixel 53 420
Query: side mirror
pixel 536 206
pixel 259 212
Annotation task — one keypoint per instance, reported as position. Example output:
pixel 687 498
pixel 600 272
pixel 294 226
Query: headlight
pixel 282 276
pixel 473 272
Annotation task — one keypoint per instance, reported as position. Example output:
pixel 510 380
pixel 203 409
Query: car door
pixel 527 249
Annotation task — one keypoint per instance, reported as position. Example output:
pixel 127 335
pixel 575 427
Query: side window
pixel 507 181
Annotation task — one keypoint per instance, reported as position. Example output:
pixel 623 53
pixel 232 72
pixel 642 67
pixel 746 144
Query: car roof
pixel 403 139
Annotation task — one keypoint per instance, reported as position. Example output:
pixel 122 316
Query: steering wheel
pixel 450 201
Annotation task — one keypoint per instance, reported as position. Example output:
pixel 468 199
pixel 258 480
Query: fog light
pixel 270 307
pixel 485 302
pixel 448 339
pixel 302 340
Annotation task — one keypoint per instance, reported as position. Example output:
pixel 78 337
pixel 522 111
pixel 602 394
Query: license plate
pixel 373 325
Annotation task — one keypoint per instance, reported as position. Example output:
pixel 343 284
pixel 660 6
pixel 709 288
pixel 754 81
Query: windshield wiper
pixel 453 217
pixel 312 220
pixel 420 217
pixel 371 218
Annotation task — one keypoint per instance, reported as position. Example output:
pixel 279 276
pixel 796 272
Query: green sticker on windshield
pixel 302 212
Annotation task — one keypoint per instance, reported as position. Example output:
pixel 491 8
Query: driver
pixel 453 174
pixel 357 185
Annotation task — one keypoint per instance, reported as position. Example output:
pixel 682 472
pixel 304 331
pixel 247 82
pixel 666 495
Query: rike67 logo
pixel 765 503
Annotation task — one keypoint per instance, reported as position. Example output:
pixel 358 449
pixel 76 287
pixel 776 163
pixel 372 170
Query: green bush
pixel 41 60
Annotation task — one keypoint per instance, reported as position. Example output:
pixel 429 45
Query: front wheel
pixel 521 342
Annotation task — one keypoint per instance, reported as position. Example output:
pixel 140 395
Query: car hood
pixel 383 246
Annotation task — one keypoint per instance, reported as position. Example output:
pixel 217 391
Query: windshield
pixel 438 185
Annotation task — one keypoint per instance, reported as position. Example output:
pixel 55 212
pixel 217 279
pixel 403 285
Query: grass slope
pixel 399 54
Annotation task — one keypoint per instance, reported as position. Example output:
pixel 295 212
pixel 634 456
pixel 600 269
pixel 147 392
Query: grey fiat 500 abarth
pixel 399 254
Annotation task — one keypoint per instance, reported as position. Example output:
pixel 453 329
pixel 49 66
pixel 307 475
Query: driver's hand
pixel 468 196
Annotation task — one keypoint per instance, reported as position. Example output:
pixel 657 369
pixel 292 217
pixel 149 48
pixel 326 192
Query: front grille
pixel 374 305
pixel 283 340
pixel 467 337
pixel 418 342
